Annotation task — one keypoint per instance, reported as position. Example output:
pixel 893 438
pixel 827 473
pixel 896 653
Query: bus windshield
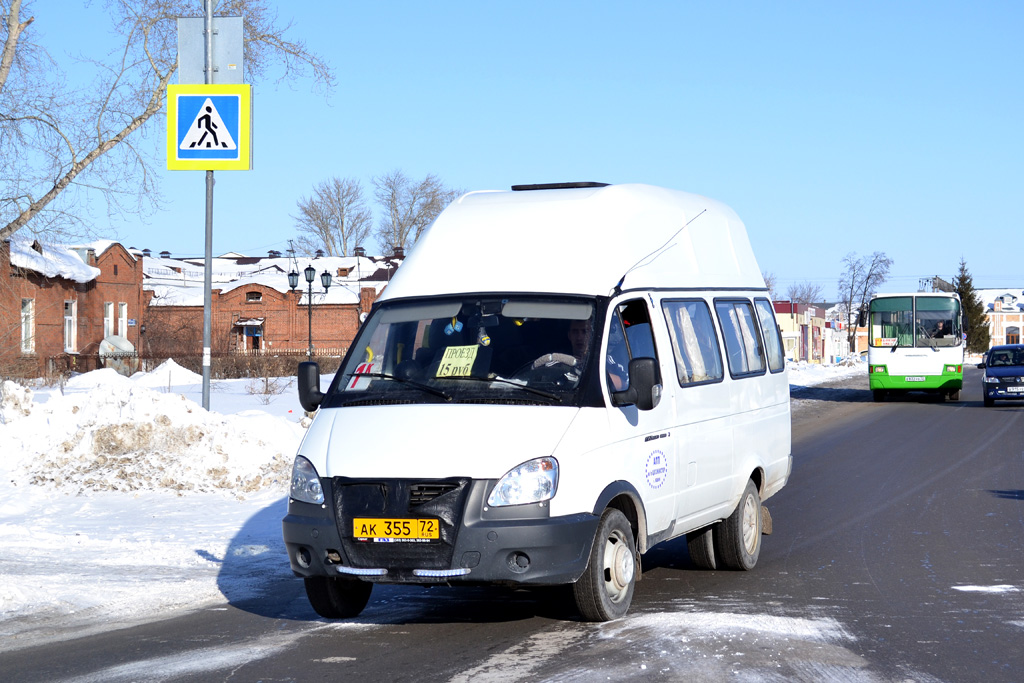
pixel 915 321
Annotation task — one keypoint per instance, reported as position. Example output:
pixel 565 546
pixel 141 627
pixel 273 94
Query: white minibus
pixel 557 378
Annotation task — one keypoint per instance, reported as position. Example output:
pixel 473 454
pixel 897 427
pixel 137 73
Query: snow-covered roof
pixel 52 260
pixel 1012 299
pixel 179 282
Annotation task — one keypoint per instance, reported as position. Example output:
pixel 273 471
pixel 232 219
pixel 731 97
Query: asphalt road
pixel 896 556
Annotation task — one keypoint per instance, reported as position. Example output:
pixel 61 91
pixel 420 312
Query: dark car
pixel 1003 378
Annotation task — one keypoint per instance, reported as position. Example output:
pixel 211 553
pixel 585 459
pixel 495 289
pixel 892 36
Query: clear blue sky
pixel 829 127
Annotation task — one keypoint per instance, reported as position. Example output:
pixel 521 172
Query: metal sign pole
pixel 208 275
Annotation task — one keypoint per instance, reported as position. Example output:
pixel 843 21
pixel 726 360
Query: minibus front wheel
pixel 338 598
pixel 605 590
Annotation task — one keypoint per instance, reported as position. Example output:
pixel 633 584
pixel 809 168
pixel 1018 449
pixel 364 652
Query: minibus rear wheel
pixel 337 598
pixel 738 537
pixel 701 545
pixel 605 590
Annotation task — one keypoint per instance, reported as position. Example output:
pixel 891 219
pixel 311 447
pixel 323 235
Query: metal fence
pixel 234 364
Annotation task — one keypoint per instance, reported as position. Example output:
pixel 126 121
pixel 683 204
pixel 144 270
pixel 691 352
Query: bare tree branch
pixel 335 217
pixel 858 282
pixel 50 135
pixel 409 208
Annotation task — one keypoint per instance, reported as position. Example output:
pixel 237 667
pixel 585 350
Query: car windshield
pixel 531 350
pixel 1010 357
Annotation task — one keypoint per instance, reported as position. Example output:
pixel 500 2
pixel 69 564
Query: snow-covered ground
pixel 123 499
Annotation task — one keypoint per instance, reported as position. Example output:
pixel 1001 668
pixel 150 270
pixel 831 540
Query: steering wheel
pixel 555 373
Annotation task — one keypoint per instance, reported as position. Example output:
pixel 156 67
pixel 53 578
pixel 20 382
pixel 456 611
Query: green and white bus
pixel 916 343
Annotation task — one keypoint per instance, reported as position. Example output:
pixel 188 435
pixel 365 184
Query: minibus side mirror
pixel 310 395
pixel 644 388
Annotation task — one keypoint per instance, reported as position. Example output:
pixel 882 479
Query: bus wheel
pixel 702 548
pixel 738 537
pixel 605 590
pixel 878 395
pixel 337 598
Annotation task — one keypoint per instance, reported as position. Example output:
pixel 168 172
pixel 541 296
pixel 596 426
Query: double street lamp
pixel 310 275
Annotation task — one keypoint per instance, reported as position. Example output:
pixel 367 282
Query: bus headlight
pixel 531 482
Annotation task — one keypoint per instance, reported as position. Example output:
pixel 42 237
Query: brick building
pixel 58 303
pixel 1004 309
pixel 254 310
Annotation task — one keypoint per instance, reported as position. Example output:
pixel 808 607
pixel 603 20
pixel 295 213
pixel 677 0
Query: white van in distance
pixel 557 379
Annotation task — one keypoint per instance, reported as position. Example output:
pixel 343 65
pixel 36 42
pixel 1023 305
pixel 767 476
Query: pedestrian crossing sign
pixel 209 127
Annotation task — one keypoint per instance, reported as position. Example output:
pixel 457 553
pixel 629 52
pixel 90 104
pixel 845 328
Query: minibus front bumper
pixel 520 544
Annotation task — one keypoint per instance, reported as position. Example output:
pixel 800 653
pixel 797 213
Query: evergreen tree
pixel 978 338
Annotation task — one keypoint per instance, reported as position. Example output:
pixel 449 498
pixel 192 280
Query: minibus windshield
pixel 515 349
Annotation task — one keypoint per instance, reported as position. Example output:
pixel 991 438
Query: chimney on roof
pixel 359 251
pixel 274 253
pixel 165 254
pixel 319 253
pixel 399 252
pixel 147 253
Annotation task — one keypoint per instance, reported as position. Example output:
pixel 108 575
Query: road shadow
pixel 826 393
pixel 255 577
pixel 1010 494
pixel 254 573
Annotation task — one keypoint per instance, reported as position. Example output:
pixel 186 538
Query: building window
pixel 108 318
pixel 122 319
pixel 1013 335
pixel 253 296
pixel 70 326
pixel 28 325
pixel 115 270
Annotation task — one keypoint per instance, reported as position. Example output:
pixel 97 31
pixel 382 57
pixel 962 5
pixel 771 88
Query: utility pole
pixel 208 276
pixel 209 125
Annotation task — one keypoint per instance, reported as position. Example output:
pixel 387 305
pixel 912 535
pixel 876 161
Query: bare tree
pixel 859 280
pixel 770 282
pixel 59 147
pixel 804 292
pixel 409 207
pixel 334 217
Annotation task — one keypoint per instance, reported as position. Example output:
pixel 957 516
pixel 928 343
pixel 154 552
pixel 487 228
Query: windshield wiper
pixel 502 380
pixel 419 385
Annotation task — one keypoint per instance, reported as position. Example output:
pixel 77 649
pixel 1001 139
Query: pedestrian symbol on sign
pixel 208 130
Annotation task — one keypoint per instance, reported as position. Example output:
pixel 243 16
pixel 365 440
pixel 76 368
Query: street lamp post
pixel 310 274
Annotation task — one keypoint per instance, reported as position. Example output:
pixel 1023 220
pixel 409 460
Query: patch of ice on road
pixel 1000 588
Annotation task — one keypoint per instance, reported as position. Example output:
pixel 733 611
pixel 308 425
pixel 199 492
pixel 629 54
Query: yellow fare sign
pixel 457 361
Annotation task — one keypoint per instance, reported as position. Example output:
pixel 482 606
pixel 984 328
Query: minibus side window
pixel 630 336
pixel 694 341
pixel 770 332
pixel 742 341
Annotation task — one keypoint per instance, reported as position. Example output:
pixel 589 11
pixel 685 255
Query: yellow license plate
pixel 396 529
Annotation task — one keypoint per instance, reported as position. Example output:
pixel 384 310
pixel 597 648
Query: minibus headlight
pixel 305 482
pixel 989 380
pixel 531 482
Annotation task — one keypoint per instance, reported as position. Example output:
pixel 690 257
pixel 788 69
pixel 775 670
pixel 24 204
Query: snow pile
pixel 804 374
pixel 15 402
pixel 110 433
